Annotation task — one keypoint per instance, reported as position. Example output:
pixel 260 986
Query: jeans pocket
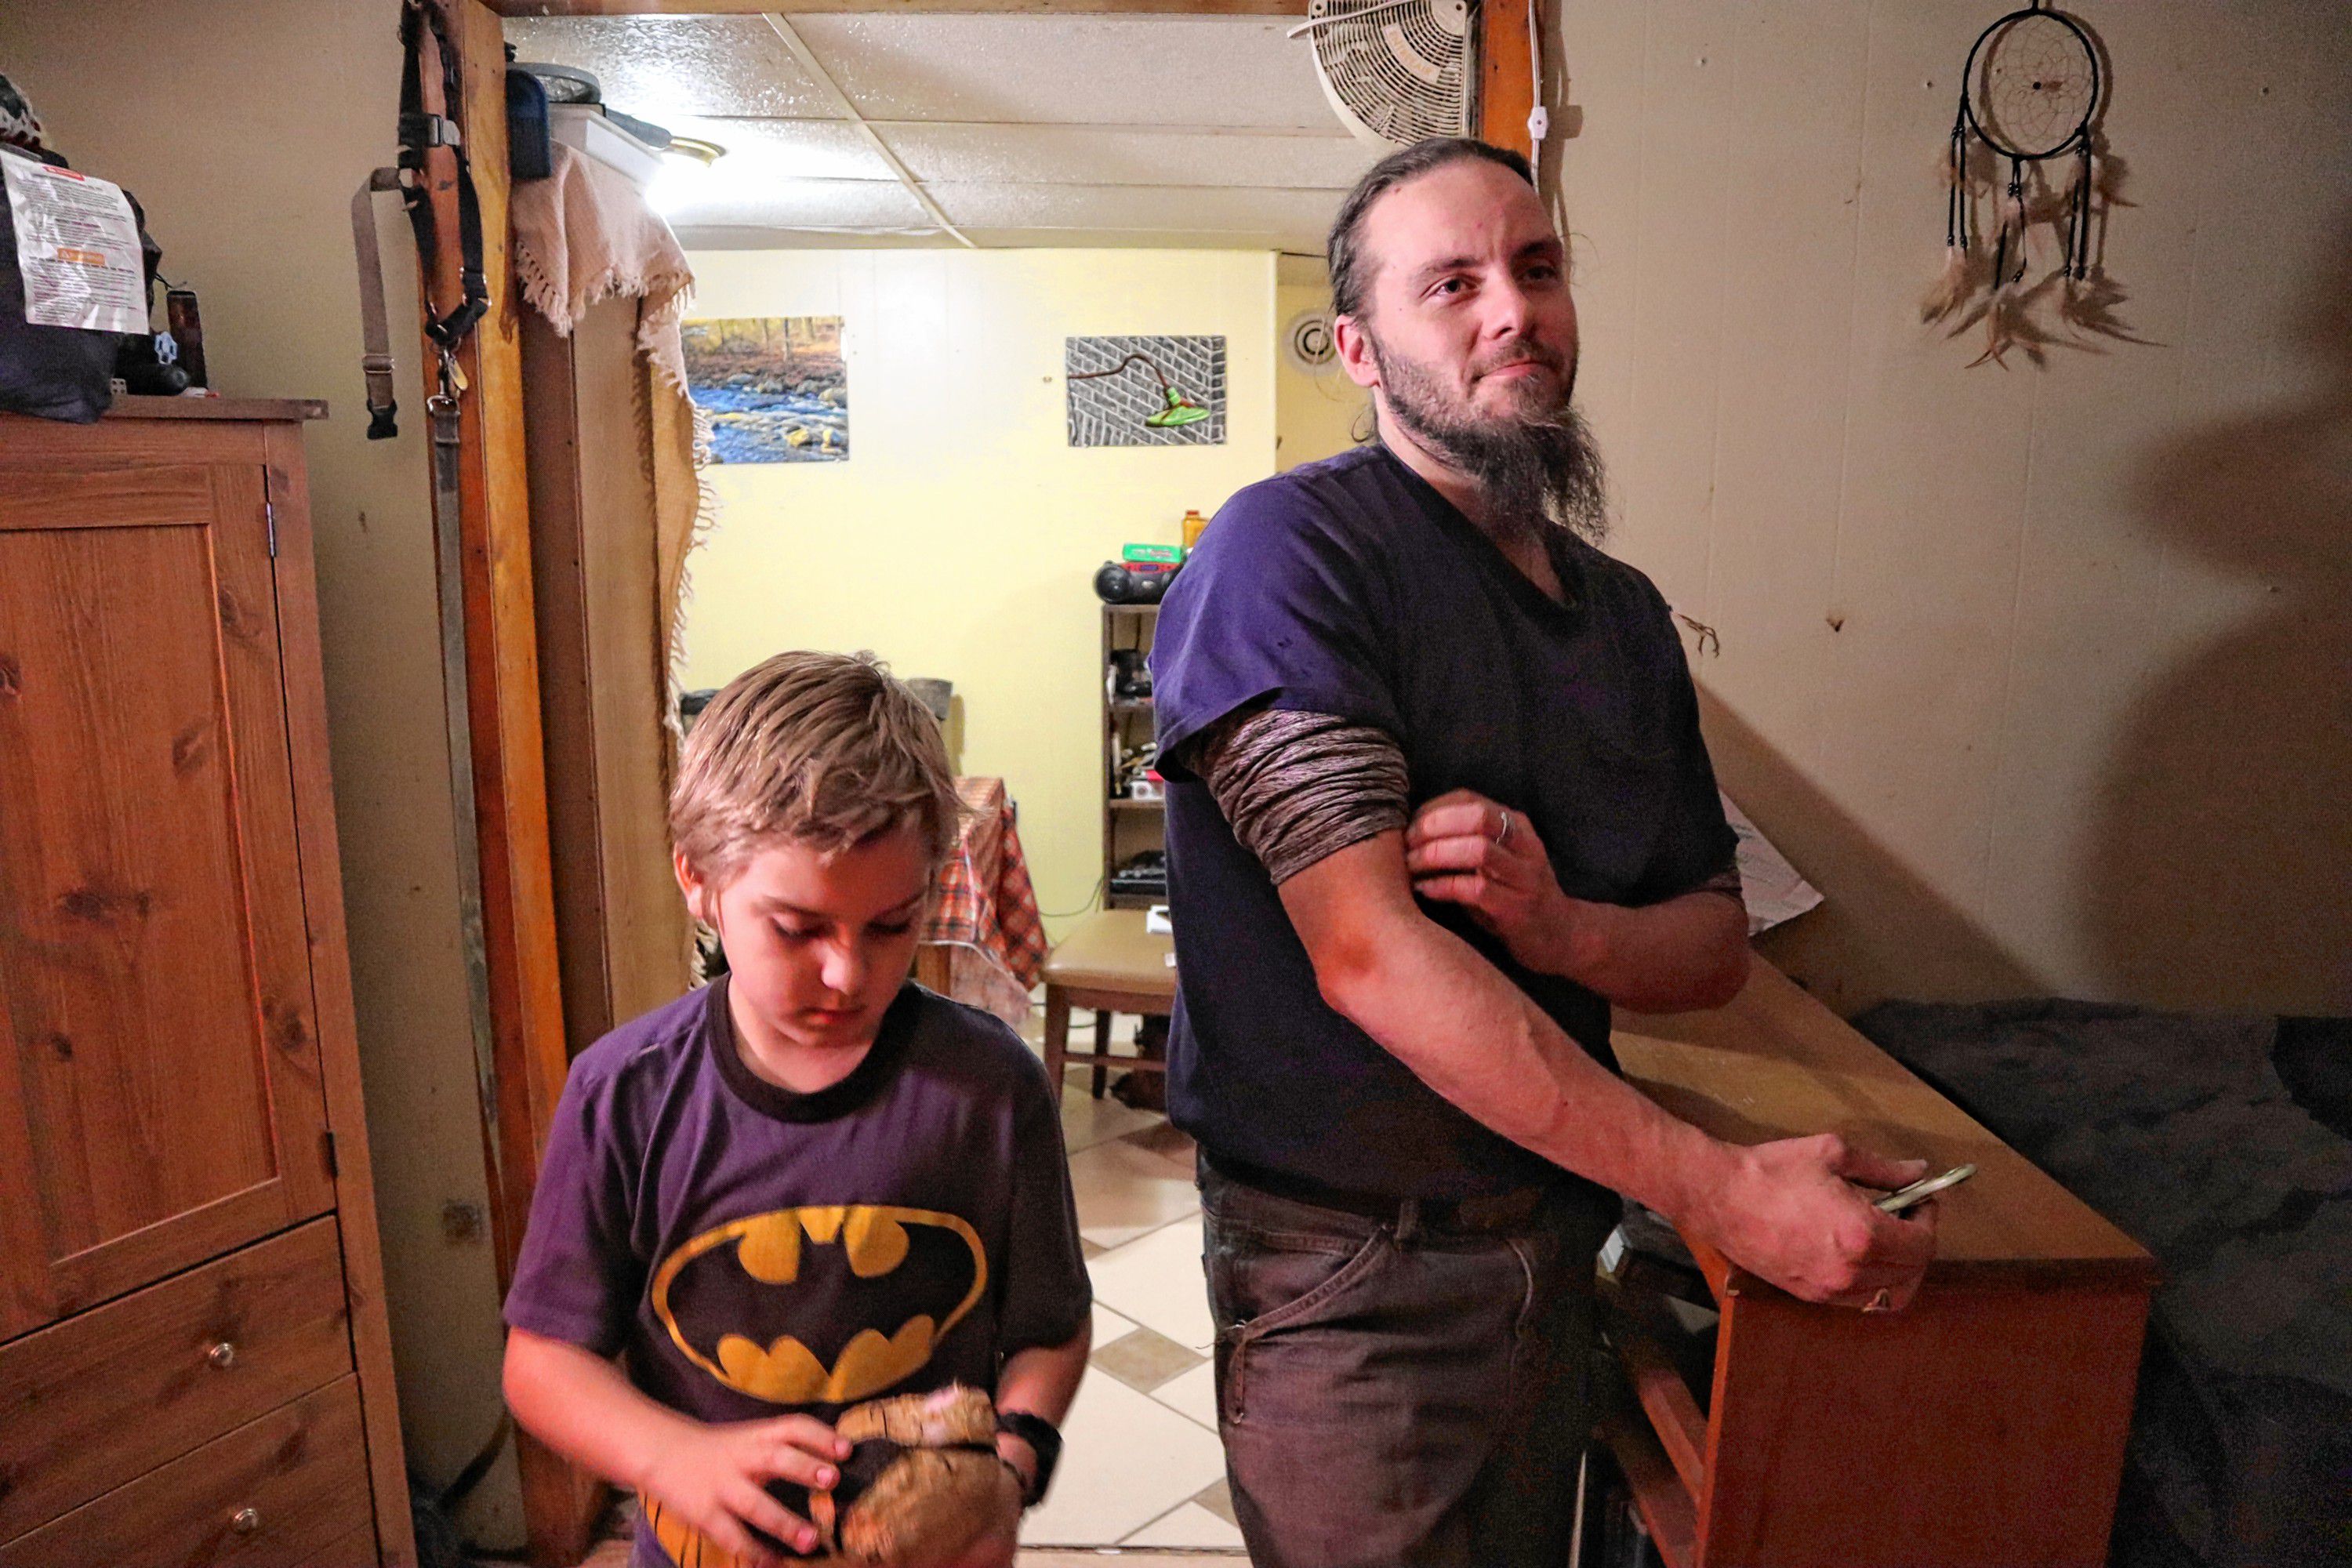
pixel 1264 1285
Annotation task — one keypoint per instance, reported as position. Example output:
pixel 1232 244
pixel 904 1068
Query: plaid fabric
pixel 985 906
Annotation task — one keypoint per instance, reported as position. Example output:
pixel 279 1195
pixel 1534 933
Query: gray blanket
pixel 2180 1131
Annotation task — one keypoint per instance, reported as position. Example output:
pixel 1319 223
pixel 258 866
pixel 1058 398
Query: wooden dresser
pixel 194 1366
pixel 1983 1427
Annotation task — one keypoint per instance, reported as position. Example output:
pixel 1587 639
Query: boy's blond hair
pixel 821 749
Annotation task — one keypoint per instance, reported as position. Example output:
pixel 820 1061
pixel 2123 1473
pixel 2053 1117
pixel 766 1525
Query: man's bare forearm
pixel 1428 999
pixel 1686 953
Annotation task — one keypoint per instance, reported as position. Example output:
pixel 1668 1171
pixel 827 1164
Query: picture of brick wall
pixel 1145 392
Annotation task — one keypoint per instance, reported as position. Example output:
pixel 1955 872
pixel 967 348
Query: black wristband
pixel 1044 1439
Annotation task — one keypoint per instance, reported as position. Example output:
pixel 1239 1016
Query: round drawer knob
pixel 222 1355
pixel 245 1521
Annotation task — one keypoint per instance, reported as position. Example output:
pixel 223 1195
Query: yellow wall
pixel 1320 412
pixel 961 538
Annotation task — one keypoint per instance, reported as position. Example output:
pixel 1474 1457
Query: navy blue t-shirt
pixel 1352 587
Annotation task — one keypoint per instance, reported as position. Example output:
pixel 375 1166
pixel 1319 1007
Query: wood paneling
pixel 274 1492
pixel 99 1400
pixel 1507 83
pixel 502 691
pixel 604 672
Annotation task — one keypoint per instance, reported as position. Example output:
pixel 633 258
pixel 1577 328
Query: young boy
pixel 812 1182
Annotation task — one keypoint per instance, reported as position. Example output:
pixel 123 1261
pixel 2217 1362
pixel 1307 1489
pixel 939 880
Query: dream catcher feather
pixel 2030 95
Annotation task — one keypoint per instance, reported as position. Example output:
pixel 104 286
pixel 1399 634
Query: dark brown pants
pixel 1393 1397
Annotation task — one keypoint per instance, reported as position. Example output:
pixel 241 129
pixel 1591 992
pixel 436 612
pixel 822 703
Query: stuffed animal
pixel 922 1485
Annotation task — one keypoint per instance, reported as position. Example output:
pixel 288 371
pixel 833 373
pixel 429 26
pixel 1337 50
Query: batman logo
pixel 902 1276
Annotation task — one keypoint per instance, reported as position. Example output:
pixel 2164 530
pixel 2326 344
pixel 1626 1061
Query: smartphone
pixel 1926 1187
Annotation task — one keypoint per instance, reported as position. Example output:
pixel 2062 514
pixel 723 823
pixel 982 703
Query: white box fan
pixel 1396 71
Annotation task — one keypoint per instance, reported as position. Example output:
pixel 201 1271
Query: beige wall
pixel 243 130
pixel 2040 673
pixel 961 538
pixel 1315 413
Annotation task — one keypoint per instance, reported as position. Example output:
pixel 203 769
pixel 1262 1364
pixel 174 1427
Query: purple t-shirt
pixel 751 1252
pixel 1351 587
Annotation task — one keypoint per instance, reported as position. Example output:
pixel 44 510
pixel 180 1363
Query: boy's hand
pixel 717 1477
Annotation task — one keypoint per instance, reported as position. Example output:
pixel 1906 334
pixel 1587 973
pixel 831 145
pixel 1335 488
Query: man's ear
pixel 1355 347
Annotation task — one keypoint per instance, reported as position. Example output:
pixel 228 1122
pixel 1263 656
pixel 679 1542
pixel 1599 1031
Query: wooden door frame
pixel 502 658
pixel 528 1061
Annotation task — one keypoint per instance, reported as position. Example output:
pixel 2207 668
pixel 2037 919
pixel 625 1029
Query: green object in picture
pixel 1168 554
pixel 1181 411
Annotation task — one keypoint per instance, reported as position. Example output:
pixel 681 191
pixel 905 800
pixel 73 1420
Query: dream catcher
pixel 2028 96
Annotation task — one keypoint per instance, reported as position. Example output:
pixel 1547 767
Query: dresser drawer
pixel 274 1493
pixel 104 1398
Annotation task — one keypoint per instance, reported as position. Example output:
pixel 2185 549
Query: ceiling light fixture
pixel 685 178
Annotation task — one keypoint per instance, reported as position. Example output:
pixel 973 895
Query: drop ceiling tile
pixel 1073 70
pixel 653 67
pixel 788 149
pixel 712 238
pixel 1105 155
pixel 1141 239
pixel 1195 208
pixel 799 205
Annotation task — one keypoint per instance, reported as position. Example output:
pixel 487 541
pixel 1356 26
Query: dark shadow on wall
pixel 1883 932
pixel 2219 873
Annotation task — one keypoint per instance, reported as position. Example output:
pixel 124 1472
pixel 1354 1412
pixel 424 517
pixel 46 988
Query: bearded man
pixel 1438 799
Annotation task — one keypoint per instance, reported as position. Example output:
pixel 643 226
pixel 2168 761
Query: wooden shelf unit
pixel 1129 826
pixel 1984 1426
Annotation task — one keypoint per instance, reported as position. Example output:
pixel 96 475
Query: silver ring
pixel 1503 835
pixel 1882 1303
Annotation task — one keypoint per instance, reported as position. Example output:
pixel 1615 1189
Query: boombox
pixel 1134 581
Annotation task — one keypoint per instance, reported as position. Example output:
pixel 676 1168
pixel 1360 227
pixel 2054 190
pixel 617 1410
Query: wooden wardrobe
pixel 194 1365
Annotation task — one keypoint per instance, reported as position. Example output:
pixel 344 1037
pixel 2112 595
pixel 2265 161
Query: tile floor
pixel 1141 1467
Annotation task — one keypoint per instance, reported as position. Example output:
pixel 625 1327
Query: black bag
pixel 56 373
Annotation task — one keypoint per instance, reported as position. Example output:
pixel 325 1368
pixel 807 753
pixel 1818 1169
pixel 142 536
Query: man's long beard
pixel 1540 469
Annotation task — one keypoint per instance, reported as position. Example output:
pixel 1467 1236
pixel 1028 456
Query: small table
pixel 1109 964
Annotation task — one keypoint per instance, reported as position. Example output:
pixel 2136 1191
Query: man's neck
pixel 1522 546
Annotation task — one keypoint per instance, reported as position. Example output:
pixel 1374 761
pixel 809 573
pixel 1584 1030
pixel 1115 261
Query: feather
pixel 2009 327
pixel 1952 286
pixel 2088 306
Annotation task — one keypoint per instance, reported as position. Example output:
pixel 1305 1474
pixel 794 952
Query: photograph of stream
pixel 774 387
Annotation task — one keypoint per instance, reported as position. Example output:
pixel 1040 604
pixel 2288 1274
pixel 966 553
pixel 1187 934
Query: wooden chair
pixel 1108 964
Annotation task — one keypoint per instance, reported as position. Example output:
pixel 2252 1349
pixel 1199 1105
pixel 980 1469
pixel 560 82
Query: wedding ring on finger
pixel 1503 833
pixel 1882 1303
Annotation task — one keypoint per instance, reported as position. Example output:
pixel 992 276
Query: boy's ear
pixel 696 891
